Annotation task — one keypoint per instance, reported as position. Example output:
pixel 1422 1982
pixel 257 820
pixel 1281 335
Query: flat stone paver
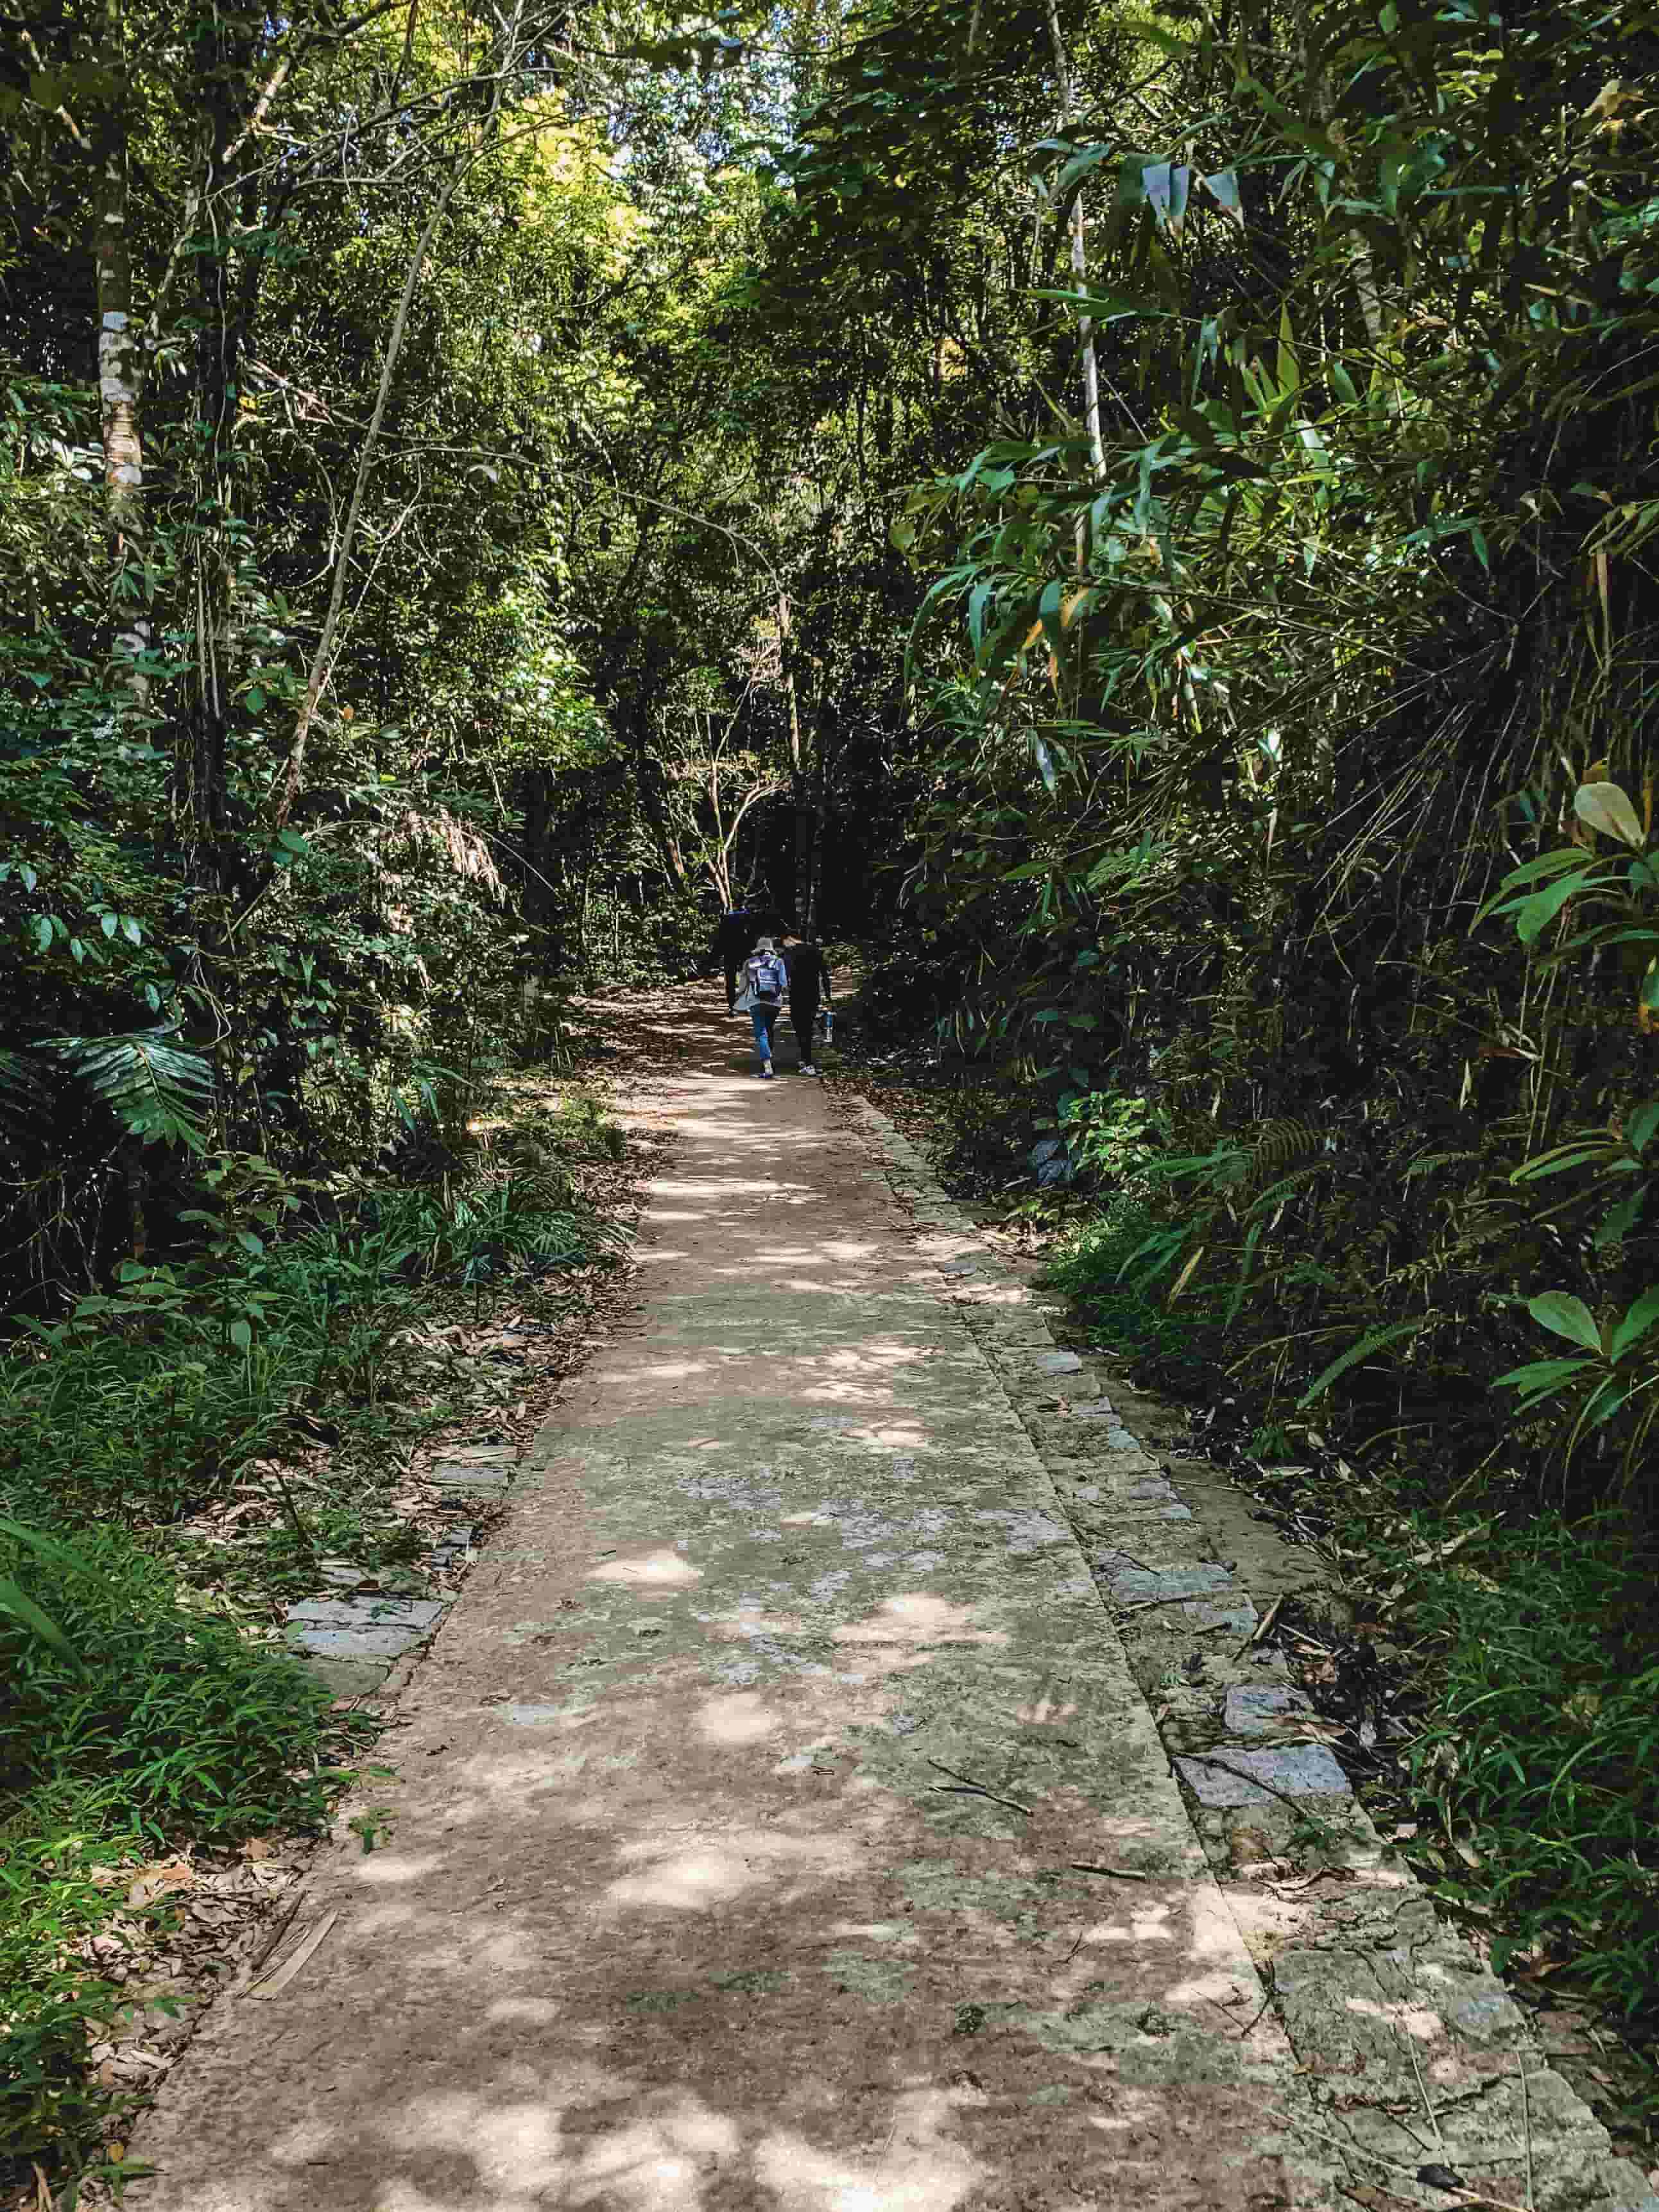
pixel 777 1821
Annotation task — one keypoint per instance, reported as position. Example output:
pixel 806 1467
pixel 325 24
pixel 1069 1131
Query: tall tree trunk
pixel 217 365
pixel 120 366
pixel 1079 261
pixel 799 792
pixel 820 815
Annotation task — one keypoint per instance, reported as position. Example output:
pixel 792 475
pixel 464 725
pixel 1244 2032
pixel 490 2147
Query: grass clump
pixel 1092 1265
pixel 53 2002
pixel 1539 1747
pixel 166 1710
pixel 137 1719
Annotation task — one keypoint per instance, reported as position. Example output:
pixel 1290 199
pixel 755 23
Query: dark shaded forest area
pixel 1143 517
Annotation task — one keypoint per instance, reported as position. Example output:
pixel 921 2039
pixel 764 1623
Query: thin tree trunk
pixel 797 788
pixel 120 359
pixel 820 816
pixel 1079 256
pixel 322 660
pixel 217 369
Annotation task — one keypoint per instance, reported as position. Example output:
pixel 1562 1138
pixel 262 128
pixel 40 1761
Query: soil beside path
pixel 778 1822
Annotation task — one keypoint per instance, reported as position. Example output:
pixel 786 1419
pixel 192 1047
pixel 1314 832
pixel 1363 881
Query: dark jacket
pixel 734 936
pixel 809 973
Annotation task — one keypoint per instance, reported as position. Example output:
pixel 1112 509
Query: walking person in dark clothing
pixel 809 983
pixel 734 940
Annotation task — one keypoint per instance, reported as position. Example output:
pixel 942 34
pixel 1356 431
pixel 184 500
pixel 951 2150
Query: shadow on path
pixel 735 1845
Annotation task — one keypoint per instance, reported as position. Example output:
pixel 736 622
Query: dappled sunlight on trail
pixel 746 1844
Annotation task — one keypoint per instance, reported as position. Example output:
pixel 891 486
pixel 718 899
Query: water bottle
pixel 827 1021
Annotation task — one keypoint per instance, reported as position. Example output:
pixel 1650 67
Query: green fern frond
pixel 1374 1341
pixel 1275 1191
pixel 160 1091
pixel 25 1094
pixel 1282 1143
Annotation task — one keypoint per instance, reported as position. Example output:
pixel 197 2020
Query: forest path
pixel 735 1849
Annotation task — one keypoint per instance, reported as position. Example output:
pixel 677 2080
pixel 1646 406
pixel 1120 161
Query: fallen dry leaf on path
pixel 161 1881
pixel 272 1984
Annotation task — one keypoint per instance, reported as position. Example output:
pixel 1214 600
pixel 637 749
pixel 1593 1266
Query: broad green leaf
pixel 1578 1154
pixel 1566 1316
pixel 1607 808
pixel 1541 1376
pixel 1534 916
pixel 1640 1127
pixel 1106 306
pixel 22 1608
pixel 1180 185
pixel 1642 1316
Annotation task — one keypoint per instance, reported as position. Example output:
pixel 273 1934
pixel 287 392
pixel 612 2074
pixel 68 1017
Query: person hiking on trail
pixel 765 979
pixel 808 981
pixel 734 938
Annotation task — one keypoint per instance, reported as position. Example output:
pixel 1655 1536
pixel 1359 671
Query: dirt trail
pixel 735 1849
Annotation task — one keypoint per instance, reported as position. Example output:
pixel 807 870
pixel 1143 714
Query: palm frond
pixel 161 1093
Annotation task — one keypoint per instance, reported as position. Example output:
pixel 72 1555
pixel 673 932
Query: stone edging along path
pixel 1414 2057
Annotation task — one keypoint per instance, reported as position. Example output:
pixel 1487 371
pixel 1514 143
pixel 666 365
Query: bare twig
pixel 1243 1774
pixel 1423 2092
pixel 1117 1874
pixel 966 1782
pixel 1264 1624
pixel 1472 2197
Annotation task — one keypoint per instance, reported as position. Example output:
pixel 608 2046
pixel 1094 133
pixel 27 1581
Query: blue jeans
pixel 764 1017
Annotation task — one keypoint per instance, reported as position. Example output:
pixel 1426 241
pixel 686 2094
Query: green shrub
pixel 130 1719
pixel 152 1396
pixel 903 998
pixel 580 1125
pixel 1543 1745
pixel 1112 1134
pixel 193 1728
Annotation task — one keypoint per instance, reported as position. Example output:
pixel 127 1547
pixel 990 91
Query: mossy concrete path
pixel 777 1820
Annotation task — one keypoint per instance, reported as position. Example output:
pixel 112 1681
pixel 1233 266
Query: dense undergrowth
pixel 1527 1630
pixel 179 1455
